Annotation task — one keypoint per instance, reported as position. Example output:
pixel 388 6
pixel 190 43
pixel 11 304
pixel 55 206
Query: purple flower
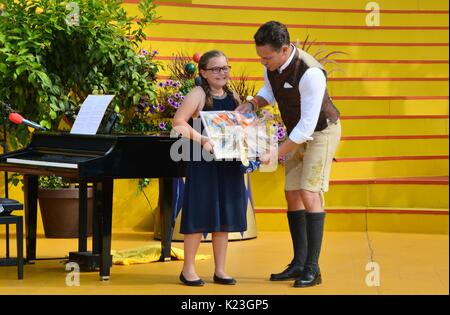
pixel 162 125
pixel 161 84
pixel 155 52
pixel 161 108
pixel 177 95
pixel 171 101
pixel 144 52
pixel 281 132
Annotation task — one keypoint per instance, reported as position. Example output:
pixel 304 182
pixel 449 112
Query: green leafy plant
pixel 47 182
pixel 53 182
pixel 54 53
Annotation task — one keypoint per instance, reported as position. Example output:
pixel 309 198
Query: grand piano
pixel 96 159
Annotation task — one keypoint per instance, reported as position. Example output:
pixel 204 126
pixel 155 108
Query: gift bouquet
pixel 237 136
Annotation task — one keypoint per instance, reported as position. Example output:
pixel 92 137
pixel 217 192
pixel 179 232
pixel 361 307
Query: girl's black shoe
pixel 193 283
pixel 229 281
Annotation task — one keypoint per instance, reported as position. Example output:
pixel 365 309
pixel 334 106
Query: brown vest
pixel 289 99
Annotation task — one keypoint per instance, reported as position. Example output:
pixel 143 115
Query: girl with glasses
pixel 214 194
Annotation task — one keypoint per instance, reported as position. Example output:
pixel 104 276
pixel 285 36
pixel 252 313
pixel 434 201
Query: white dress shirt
pixel 312 88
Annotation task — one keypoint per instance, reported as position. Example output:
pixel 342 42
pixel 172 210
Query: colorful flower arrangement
pixel 153 115
pixel 159 112
pixel 272 115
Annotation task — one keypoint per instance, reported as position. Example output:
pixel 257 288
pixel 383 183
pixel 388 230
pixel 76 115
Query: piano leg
pixel 82 220
pixel 30 198
pixel 90 260
pixel 105 191
pixel 166 215
pixel 95 224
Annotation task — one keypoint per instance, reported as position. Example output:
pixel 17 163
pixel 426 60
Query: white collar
pixel 288 62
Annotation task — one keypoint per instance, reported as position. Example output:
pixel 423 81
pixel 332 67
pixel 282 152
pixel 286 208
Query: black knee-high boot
pixel 297 228
pixel 314 230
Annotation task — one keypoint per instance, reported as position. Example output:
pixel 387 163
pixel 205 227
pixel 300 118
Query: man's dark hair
pixel 272 33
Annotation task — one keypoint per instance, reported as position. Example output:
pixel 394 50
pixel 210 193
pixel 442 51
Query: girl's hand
pixel 207 145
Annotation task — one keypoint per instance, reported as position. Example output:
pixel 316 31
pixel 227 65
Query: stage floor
pixel 408 264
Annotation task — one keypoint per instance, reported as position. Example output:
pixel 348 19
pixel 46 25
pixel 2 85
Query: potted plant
pixel 59 205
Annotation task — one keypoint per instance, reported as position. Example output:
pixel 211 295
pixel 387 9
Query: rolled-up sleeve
pixel 312 88
pixel 266 91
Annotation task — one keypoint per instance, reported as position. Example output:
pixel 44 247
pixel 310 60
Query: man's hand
pixel 287 147
pixel 269 157
pixel 245 108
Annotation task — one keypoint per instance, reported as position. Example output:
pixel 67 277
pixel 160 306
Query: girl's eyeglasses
pixel 217 70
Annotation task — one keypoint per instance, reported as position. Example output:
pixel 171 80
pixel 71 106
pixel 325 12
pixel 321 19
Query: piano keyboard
pixel 42 163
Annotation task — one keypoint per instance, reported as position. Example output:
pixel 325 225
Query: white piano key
pixel 41 163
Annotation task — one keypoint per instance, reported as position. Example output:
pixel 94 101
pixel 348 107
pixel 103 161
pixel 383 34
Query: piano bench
pixel 18 221
pixel 9 205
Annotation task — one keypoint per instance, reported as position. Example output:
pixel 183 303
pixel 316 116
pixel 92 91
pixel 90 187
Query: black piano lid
pixel 100 143
pixel 72 142
pixel 117 156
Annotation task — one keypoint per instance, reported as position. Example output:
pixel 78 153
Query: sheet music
pixel 91 114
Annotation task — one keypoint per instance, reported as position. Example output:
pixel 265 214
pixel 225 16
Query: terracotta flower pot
pixel 59 209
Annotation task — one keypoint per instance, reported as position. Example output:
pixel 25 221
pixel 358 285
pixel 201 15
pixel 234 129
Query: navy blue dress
pixel 214 193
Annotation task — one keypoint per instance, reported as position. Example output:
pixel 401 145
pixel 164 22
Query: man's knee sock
pixel 297 227
pixel 314 229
